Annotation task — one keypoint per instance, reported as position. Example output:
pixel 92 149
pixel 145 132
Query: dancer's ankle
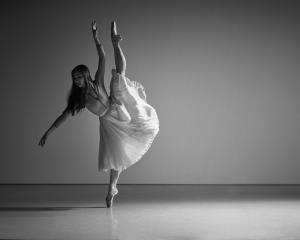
pixel 112 188
pixel 116 45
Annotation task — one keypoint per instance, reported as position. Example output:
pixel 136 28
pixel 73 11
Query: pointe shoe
pixel 115 37
pixel 113 28
pixel 109 201
pixel 110 197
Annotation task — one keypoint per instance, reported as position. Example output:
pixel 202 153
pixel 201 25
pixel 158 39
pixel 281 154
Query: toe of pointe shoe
pixel 109 201
pixel 108 204
pixel 113 28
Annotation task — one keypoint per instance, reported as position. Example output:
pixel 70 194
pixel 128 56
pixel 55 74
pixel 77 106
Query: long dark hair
pixel 76 96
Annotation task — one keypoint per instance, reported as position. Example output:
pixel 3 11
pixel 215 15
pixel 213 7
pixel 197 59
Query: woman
pixel 128 124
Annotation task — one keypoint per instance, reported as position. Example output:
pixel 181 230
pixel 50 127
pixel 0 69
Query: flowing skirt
pixel 127 130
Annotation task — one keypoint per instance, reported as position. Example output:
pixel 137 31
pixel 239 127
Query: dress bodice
pixel 94 102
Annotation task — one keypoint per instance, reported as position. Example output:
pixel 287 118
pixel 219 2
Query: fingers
pixel 42 142
pixel 94 25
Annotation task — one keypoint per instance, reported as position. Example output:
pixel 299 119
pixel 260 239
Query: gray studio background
pixel 222 75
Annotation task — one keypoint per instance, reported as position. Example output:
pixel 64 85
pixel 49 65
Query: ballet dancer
pixel 128 123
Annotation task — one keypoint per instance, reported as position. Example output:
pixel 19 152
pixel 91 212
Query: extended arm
pixel 119 55
pixel 55 125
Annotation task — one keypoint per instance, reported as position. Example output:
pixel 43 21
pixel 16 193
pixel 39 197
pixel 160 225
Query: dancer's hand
pixel 95 31
pixel 94 27
pixel 43 139
pixel 115 38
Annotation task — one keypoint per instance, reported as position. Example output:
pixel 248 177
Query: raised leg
pixel 119 55
pixel 112 189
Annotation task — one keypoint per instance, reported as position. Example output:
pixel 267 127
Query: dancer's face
pixel 78 79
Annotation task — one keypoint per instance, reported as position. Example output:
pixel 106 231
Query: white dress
pixel 128 127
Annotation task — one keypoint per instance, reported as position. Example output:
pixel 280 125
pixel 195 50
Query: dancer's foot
pixel 110 196
pixel 115 37
pixel 113 190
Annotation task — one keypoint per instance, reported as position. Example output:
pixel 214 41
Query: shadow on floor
pixel 42 208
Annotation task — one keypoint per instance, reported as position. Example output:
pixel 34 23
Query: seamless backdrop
pixel 222 75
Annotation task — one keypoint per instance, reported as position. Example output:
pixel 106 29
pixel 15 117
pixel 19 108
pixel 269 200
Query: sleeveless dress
pixel 128 126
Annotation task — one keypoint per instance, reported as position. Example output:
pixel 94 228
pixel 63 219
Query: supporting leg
pixel 114 177
pixel 112 190
pixel 119 55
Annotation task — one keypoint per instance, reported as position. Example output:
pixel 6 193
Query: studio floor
pixel 151 212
